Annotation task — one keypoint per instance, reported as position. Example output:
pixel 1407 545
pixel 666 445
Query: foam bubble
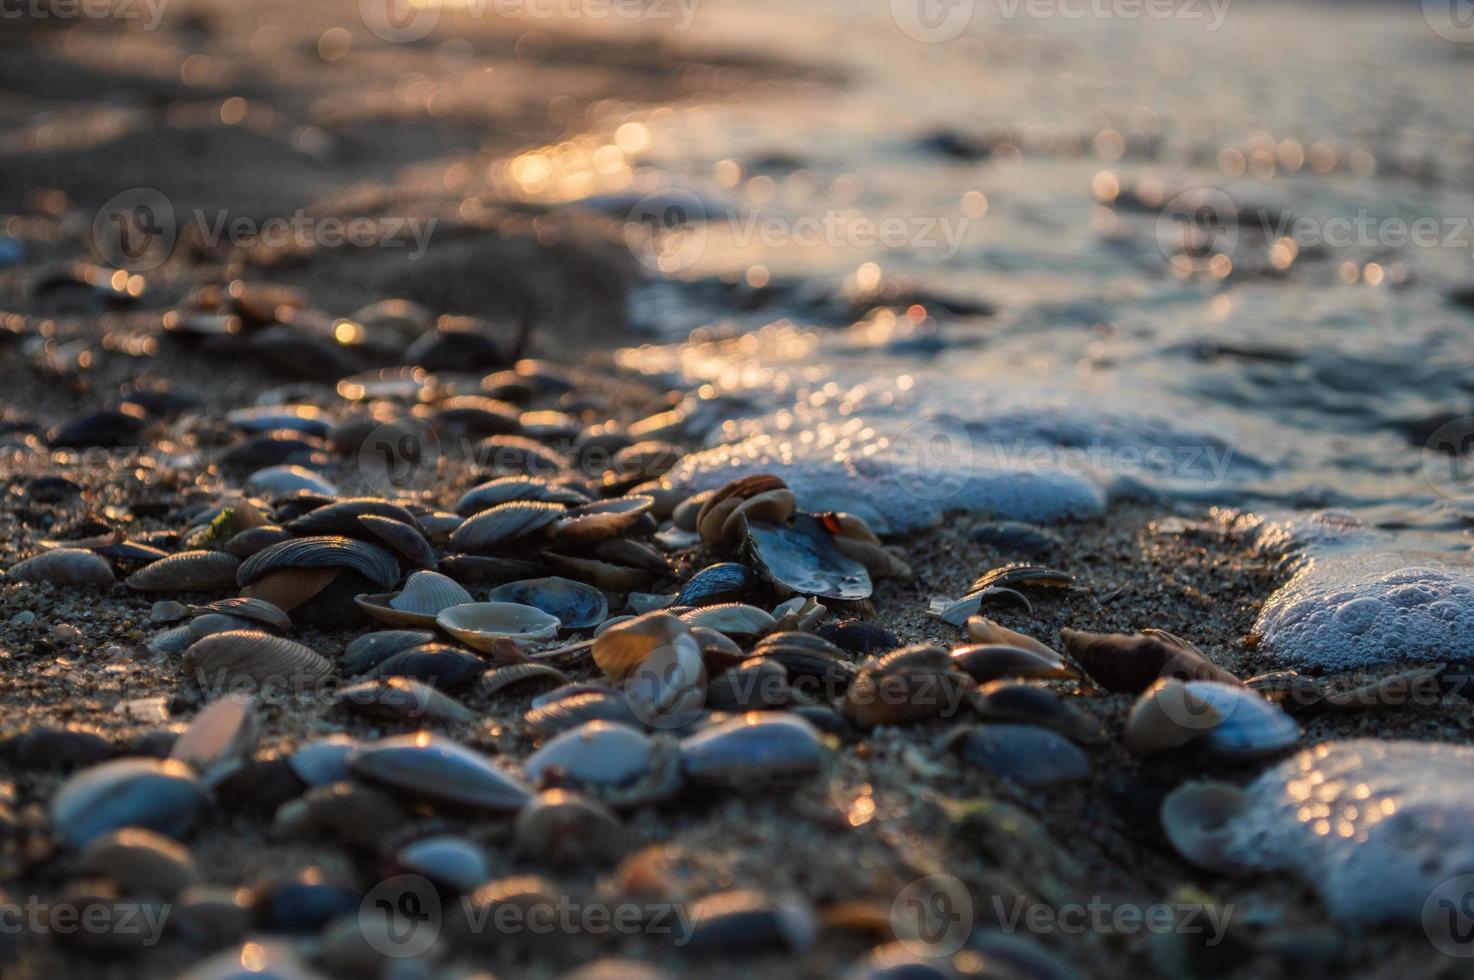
pixel 1374 826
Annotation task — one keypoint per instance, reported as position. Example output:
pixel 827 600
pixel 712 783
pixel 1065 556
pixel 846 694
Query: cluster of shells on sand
pixel 652 646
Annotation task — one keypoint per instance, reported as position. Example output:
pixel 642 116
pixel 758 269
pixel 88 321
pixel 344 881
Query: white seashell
pixel 424 595
pixel 481 624
pixel 732 618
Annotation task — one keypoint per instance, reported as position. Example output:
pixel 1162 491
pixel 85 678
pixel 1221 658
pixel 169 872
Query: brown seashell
pixel 603 574
pixel 988 662
pixel 1131 664
pixel 257 657
pixel 140 862
pixel 189 571
pixel 64 566
pixel 981 629
pixel 622 647
pixel 289 588
pixel 1156 722
pixel 591 524
pixel 902 696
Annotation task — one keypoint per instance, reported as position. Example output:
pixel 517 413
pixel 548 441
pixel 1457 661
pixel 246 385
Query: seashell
pixel 548 425
pixel 988 662
pixel 112 925
pixel 279 481
pixel 981 629
pixel 254 610
pixel 635 554
pixel 727 581
pixel 957 611
pixel 307 419
pixel 110 429
pixel 368 560
pixel 474 417
pixel 806 657
pixel 503 525
pixel 799 613
pixel 371 649
pixel 451 862
pixel 171 641
pixel 259 784
pixel 203 626
pixel 710 641
pixel 140 862
pixel 757 684
pixel 619 649
pixel 439 525
pixel 402 539
pixel 508 489
pixel 567 830
pixel 520 897
pixel 341 517
pixel 640 603
pixel 685 513
pixel 401 384
pixel 799 558
pixel 220 735
pixel 732 618
pixel 739 489
pixel 1026 754
pixel 647 459
pixel 44 747
pixel 588 525
pixel 481 624
pixel 428 767
pixel 350 811
pixel 487 569
pixel 757 747
pixel 445 667
pixel 277 960
pixel 570 712
pixel 880 697
pixel 1021 703
pixel 1228 721
pixel 601 574
pixel 1196 818
pixel 159 795
pixel 64 566
pixel 1131 664
pixel 667 689
pixel 304 903
pixel 290 588
pixel 404 699
pixel 257 657
pixel 1168 715
pixel 724 524
pixel 209 916
pixel 501 679
pixel 1021 577
pixel 879 561
pixel 746 922
pixel 599 755
pixel 513 455
pixel 424 596
pixel 575 605
pixel 858 636
pixel 322 761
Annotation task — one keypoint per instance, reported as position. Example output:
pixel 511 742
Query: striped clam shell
pixel 258 610
pixel 498 526
pixel 342 517
pixel 404 699
pixel 254 539
pixel 254 656
pixel 418 603
pixel 402 538
pixel 369 560
pixel 189 571
pixel 732 618
pixel 64 566
pixel 517 675
pixel 371 649
pixel 592 524
pixel 516 488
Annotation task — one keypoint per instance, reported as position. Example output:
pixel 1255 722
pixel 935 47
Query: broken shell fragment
pixel 1196 819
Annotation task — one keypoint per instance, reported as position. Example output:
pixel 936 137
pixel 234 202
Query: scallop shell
pixel 500 526
pixel 258 610
pixel 370 561
pixel 429 767
pixel 424 595
pixel 481 624
pixel 189 571
pixel 342 517
pixel 256 657
pixel 64 566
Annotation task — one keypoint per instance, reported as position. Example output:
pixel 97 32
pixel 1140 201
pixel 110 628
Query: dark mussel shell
pixel 801 558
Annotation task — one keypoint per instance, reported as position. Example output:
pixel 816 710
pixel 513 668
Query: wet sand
pixel 891 808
